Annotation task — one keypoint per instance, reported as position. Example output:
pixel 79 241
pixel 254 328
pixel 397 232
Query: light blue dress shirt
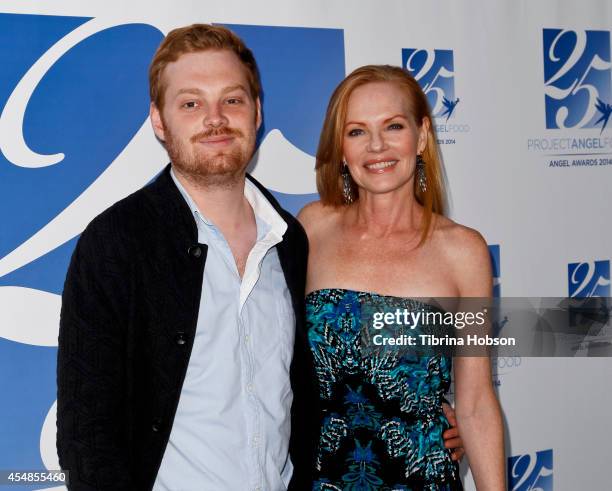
pixel 232 426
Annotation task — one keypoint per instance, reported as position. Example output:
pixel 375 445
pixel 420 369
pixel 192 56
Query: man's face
pixel 209 120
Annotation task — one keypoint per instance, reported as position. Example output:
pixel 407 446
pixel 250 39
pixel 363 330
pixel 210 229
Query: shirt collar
pixel 263 210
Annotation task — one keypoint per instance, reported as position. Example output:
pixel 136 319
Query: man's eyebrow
pixel 196 91
pixel 189 90
pixel 234 87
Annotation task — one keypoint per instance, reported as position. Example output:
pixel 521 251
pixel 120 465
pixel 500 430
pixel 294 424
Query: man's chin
pixel 221 180
pixel 218 174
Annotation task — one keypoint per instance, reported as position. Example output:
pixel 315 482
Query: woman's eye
pixel 355 132
pixel 396 126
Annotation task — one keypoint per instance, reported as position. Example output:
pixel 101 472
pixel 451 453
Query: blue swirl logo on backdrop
pixel 82 113
pixel 73 130
pixel 529 472
pixel 577 78
pixel 435 72
pixel 589 279
pixel 73 94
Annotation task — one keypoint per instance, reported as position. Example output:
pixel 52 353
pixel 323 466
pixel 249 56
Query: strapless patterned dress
pixel 381 419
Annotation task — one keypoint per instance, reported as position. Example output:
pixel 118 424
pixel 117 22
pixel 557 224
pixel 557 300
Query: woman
pixel 378 235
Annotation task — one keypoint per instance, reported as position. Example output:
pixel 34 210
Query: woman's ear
pixel 423 135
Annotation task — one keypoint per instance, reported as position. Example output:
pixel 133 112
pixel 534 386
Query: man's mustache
pixel 224 131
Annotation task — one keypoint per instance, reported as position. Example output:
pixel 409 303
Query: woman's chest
pixel 393 266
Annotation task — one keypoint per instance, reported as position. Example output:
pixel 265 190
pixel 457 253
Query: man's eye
pixel 355 132
pixel 190 104
pixel 234 100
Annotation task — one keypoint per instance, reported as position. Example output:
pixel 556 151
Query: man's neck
pixel 227 208
pixel 223 204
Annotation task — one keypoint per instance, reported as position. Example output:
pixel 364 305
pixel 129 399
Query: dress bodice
pixel 381 409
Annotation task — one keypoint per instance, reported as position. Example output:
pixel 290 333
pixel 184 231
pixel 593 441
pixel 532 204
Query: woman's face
pixel 381 140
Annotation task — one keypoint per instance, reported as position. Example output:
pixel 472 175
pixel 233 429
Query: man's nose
pixel 215 116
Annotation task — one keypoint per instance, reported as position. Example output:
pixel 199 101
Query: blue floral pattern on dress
pixel 381 410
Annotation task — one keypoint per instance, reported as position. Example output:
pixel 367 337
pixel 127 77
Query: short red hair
pixel 192 39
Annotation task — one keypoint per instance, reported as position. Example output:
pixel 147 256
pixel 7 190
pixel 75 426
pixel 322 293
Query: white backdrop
pixel 528 75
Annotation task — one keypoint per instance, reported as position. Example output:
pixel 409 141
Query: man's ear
pixel 258 115
pixel 156 122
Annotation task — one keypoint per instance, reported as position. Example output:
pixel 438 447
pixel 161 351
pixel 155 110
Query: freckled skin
pixel 345 254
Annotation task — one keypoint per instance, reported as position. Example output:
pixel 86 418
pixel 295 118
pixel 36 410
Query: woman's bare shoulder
pixel 316 216
pixel 457 239
pixel 465 252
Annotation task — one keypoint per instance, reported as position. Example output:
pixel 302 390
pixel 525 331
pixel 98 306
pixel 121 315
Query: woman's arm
pixel 479 422
pixel 476 405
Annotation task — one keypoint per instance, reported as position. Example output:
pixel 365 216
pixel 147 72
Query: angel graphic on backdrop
pixel 605 110
pixel 449 107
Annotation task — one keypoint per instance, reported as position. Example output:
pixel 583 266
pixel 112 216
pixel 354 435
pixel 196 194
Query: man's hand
pixel 452 439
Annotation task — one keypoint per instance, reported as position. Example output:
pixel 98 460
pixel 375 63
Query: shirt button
pixel 180 339
pixel 195 251
pixel 249 387
pixel 156 426
pixel 255 441
pixel 246 338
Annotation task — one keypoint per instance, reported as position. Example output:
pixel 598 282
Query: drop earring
pixel 420 173
pixel 347 191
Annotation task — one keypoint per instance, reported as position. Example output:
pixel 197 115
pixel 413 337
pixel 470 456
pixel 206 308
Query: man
pixel 182 341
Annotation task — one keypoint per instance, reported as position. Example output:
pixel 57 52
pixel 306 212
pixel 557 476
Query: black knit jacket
pixel 128 321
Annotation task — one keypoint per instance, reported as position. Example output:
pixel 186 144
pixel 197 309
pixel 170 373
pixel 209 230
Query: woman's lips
pixel 380 166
